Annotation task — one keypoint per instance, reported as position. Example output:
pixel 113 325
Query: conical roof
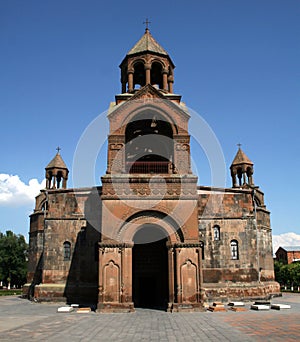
pixel 147 43
pixel 57 162
pixel 241 158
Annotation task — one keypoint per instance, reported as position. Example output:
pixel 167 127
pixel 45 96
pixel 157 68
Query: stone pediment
pixel 147 97
pixel 146 92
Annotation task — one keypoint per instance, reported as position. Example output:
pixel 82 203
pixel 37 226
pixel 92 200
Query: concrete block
pixel 217 307
pixel 237 308
pixel 260 307
pixel 218 304
pixel 262 302
pixel 65 309
pixel 236 304
pixel 280 306
pixel 83 310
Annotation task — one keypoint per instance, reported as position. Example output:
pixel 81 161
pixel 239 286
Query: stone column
pixel 170 82
pixel 115 278
pixel 171 276
pixel 233 176
pixel 178 278
pixel 148 73
pixel 244 178
pixel 130 80
pixel 165 79
pixel 127 275
pixel 100 277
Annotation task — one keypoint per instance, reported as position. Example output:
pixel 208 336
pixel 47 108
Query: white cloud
pixel 15 193
pixel 284 240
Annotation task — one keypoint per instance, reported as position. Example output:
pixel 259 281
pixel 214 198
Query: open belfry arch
pixel 149 236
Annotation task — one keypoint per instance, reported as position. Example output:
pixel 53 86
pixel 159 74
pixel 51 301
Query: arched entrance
pixel 150 268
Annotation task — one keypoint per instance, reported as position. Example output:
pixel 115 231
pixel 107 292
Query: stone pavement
pixel 21 320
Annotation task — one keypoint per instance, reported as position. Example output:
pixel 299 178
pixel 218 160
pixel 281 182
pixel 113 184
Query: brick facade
pixel 288 255
pixel 149 235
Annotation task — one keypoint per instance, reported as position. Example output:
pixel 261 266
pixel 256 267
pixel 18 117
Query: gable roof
pixel 147 43
pixel 291 248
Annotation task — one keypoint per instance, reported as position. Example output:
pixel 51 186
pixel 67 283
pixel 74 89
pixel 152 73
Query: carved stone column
pixel 115 278
pixel 148 73
pixel 171 277
pixel 188 277
pixel 170 83
pixel 130 80
pixel 165 79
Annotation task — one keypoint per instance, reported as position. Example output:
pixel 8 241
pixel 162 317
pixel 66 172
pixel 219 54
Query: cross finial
pixel 147 22
pixel 239 145
pixel 58 149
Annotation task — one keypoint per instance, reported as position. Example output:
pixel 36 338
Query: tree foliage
pixel 13 259
pixel 287 274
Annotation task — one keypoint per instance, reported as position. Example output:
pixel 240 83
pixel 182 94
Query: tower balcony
pixel 154 167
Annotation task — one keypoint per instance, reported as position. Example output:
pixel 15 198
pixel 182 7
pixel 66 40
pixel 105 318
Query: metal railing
pixel 148 167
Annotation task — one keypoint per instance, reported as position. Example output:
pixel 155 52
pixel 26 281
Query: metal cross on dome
pixel 147 22
pixel 58 149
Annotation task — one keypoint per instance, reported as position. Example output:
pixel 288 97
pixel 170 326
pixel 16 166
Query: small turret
pixel 56 173
pixel 241 170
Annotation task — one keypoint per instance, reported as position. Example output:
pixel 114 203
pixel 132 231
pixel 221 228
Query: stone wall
pixel 233 213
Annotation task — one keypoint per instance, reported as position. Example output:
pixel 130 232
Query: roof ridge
pixel 147 43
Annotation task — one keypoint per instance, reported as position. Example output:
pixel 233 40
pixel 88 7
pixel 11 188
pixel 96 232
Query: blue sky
pixel 237 65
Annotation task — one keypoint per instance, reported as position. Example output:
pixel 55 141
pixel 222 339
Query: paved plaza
pixel 22 320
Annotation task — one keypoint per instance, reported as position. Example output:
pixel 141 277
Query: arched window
pixel 216 233
pixel 234 245
pixel 67 250
pixel 149 144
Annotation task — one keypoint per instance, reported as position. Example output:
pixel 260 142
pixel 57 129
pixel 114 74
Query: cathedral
pixel 149 236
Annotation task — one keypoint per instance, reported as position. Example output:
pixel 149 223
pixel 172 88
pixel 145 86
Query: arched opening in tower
pixel 149 145
pixel 156 75
pixel 150 268
pixel 139 76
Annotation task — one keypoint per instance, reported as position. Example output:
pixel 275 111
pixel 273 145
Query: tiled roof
pixel 57 162
pixel 241 158
pixel 291 248
pixel 147 43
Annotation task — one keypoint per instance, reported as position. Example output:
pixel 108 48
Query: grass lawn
pixel 10 292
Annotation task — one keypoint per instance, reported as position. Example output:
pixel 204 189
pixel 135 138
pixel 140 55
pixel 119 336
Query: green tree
pixel 287 274
pixel 294 274
pixel 13 259
pixel 277 270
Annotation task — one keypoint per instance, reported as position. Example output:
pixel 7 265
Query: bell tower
pixel 241 170
pixel 149 194
pixel 56 173
pixel 147 63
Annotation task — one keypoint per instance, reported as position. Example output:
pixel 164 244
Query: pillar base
pixel 115 307
pixel 185 307
pixel 226 292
